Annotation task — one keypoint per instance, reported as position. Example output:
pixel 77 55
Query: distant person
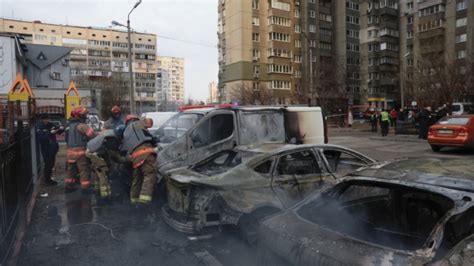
pixel 374 120
pixel 401 120
pixel 393 118
pixel 46 137
pixel 425 122
pixel 384 122
pixel 115 119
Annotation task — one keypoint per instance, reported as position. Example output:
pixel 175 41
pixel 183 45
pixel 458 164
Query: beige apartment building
pixel 213 93
pixel 373 46
pixel 170 81
pixel 294 49
pixel 98 54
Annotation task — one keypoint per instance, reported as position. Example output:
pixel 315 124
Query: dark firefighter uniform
pixel 140 147
pixel 46 138
pixel 78 133
pixel 101 150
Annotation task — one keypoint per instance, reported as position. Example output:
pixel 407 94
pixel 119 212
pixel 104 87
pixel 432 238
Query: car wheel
pixel 248 224
pixel 435 148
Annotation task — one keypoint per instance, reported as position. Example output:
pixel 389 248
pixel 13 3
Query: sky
pixel 193 22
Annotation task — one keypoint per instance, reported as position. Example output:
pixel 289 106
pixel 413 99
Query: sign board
pixel 414 103
pixel 71 101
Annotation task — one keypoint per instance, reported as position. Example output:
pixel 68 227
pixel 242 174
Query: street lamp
pixel 130 66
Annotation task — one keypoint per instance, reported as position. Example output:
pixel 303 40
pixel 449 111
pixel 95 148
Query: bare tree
pixel 247 95
pixel 113 89
pixel 329 87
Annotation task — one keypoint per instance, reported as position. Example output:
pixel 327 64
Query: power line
pixel 187 41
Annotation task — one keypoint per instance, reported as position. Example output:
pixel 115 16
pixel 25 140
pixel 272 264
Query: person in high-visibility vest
pixel 78 133
pixel 384 122
pixel 141 148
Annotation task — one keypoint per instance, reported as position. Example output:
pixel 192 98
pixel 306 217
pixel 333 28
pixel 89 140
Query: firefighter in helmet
pixel 140 146
pixel 78 133
pixel 102 151
pixel 115 119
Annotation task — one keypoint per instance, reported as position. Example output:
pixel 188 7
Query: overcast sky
pixel 194 21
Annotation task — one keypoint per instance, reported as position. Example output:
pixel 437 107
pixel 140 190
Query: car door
pixel 213 133
pixel 295 174
pixel 340 161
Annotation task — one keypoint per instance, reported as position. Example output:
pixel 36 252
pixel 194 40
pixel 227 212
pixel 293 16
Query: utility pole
pixel 130 68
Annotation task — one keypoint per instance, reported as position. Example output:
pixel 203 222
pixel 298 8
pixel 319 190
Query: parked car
pixel 406 212
pixel 462 108
pixel 454 131
pixel 240 186
pixel 159 118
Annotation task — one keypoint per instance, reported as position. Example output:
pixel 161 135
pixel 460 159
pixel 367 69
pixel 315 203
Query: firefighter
pixel 101 151
pixel 115 119
pixel 140 146
pixel 78 133
pixel 46 136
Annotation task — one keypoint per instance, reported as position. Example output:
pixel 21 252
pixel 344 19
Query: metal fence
pixel 16 175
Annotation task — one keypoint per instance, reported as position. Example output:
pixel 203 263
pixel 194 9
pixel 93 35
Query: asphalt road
pixel 74 229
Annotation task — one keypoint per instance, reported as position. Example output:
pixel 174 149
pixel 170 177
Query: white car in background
pixel 159 118
pixel 462 108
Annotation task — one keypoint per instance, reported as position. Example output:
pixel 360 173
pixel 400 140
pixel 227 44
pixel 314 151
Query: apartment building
pixel 98 54
pixel 170 81
pixel 213 93
pixel 298 50
pixel 430 30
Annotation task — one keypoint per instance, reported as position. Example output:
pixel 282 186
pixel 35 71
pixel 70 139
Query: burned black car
pixel 242 185
pixel 408 212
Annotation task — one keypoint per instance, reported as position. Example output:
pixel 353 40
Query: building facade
pixel 170 82
pixel 302 50
pixel 213 93
pixel 97 55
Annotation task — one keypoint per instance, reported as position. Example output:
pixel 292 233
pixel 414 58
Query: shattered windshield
pixel 177 126
pixel 222 162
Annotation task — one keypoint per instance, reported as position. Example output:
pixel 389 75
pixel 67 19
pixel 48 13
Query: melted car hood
pixel 302 243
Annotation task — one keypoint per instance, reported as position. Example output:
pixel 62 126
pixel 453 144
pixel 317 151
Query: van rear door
pixel 305 125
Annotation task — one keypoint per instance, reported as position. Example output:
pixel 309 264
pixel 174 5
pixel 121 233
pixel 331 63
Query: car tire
pixel 435 148
pixel 248 224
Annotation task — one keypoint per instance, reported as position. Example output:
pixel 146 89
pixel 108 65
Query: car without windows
pixel 407 212
pixel 242 185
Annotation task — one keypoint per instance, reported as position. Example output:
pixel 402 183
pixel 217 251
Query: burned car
pixel 407 212
pixel 240 186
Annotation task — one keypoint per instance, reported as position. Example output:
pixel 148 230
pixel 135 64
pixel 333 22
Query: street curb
pixel 399 139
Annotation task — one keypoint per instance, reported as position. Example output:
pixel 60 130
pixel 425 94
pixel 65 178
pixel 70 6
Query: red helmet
pixel 79 112
pixel 116 110
pixel 130 118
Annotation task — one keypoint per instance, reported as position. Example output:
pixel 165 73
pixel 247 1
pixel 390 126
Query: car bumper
pixel 180 222
pixel 452 142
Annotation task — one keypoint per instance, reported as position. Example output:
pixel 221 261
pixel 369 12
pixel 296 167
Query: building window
pixel 410 20
pixel 298 59
pixel 461 5
pixel 352 20
pixel 280 84
pixel 460 22
pixel 273 20
pixel 325 45
pixel 297 43
pixel 255 21
pixel 352 47
pixel 255 4
pixel 56 76
pixel 352 6
pixel 297 13
pixel 277 36
pixel 256 37
pixel 312 14
pixel 280 5
pixel 297 28
pixel 461 54
pixel 325 17
pixel 460 38
pixel 256 54
pixel 431 10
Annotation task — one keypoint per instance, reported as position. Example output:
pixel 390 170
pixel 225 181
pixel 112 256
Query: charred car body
pixel 403 213
pixel 242 185
pixel 194 134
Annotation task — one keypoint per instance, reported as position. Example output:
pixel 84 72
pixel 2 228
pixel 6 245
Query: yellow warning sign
pixel 71 101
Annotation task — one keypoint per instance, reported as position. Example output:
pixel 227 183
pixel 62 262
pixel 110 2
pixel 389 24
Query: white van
pixel 462 108
pixel 159 118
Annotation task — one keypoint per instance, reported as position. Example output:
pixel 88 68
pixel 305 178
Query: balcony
pixel 388 82
pixel 428 34
pixel 388 11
